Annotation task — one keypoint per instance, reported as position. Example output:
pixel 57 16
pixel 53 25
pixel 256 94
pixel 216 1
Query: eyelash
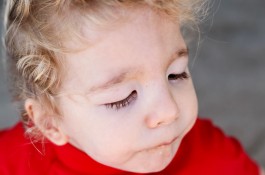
pixel 128 100
pixel 182 76
pixel 123 103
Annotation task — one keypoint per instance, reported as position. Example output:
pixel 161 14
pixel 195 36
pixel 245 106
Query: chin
pixel 153 167
pixel 155 163
pixel 158 168
pixel 152 160
pixel 160 161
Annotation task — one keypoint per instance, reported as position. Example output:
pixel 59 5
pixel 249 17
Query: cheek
pixel 187 102
pixel 191 102
pixel 107 140
pixel 190 107
pixel 111 147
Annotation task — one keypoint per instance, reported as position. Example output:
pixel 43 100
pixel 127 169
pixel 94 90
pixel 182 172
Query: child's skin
pixel 144 133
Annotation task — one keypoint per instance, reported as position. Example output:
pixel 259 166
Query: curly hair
pixel 35 32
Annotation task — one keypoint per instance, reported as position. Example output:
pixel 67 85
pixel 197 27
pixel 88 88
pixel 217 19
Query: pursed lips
pixel 166 143
pixel 163 144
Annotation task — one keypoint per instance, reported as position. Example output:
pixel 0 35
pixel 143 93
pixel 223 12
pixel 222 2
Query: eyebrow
pixel 120 77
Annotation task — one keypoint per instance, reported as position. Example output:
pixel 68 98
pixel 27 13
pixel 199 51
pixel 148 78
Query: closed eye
pixel 123 103
pixel 182 76
pixel 128 100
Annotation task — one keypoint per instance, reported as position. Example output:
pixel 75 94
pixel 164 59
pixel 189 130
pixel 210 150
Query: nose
pixel 164 111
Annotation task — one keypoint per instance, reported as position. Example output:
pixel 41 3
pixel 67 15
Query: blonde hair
pixel 36 29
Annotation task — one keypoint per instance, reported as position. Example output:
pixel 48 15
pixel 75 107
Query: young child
pixel 105 89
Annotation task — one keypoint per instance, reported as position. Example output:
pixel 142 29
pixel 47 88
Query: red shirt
pixel 204 150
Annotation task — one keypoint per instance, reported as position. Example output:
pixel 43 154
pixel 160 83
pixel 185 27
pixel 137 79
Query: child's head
pixel 109 77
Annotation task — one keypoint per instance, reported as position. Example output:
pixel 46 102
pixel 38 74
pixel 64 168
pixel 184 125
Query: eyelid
pixel 123 103
pixel 182 76
pixel 178 78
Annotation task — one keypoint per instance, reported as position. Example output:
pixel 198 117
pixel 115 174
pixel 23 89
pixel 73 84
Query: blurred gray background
pixel 228 73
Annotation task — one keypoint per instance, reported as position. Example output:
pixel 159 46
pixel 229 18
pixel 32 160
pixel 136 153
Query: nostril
pixel 160 123
pixel 155 123
pixel 168 122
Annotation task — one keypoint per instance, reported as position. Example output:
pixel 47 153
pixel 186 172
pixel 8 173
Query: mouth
pixel 166 143
pixel 163 144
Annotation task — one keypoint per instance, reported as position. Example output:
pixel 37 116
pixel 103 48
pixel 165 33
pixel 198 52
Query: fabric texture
pixel 204 150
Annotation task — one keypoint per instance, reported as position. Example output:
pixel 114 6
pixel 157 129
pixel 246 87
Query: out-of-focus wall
pixel 8 113
pixel 229 71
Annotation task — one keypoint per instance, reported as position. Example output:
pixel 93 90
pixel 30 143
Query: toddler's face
pixel 132 99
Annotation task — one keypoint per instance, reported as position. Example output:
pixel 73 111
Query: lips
pixel 166 143
pixel 163 144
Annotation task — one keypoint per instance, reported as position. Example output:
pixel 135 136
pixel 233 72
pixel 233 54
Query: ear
pixel 46 123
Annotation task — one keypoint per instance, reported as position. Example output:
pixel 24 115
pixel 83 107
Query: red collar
pixel 78 161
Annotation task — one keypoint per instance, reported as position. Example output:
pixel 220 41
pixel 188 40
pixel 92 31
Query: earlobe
pixel 56 136
pixel 45 122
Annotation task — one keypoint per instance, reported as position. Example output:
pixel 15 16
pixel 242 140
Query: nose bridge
pixel 164 109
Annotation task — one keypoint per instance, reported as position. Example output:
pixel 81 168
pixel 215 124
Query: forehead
pixel 141 18
pixel 141 37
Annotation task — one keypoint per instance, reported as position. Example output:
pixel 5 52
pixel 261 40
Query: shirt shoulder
pixel 19 155
pixel 206 149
